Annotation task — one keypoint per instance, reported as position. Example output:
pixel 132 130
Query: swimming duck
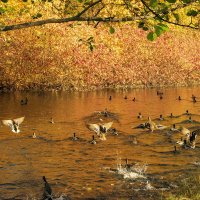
pixel 75 138
pixel 51 120
pixel 159 93
pixel 135 140
pixel 113 131
pixel 161 97
pixel 173 128
pixel 190 119
pixel 47 195
pixel 14 124
pixel 179 98
pixel 187 112
pixel 110 98
pixel 133 99
pixel 34 135
pixel 93 141
pixel 161 118
pixel 143 125
pixel 139 116
pixel 125 97
pixel 194 99
pixel 98 128
pixel 175 150
pixel 24 101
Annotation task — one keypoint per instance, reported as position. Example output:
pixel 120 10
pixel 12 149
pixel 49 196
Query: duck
pixel 34 135
pixel 110 98
pixel 135 140
pixel 152 125
pixel 98 128
pixel 51 121
pixel 14 124
pixel 133 99
pixel 194 99
pixel 161 117
pixel 114 131
pixel 192 139
pixel 75 138
pixel 93 141
pixel 179 98
pixel 125 97
pixel 143 125
pixel 175 150
pixel 24 101
pixel 161 97
pixel 187 112
pixel 173 128
pixel 159 93
pixel 190 119
pixel 127 165
pixel 47 195
pixel 139 116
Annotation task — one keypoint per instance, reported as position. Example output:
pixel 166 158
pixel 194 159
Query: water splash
pixel 135 171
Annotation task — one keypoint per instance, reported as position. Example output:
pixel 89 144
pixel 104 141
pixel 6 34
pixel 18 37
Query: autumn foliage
pixel 85 58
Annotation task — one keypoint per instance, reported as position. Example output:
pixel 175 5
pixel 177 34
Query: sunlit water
pixel 82 170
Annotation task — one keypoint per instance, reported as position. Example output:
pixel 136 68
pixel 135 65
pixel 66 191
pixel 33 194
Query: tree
pixel 152 16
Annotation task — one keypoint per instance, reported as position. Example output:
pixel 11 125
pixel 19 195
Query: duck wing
pixel 94 127
pixel 8 122
pixel 18 121
pixel 108 125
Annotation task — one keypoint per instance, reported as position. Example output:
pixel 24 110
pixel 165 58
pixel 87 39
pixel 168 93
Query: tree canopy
pixel 152 16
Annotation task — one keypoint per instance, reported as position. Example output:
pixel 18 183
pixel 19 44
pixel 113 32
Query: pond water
pixel 85 171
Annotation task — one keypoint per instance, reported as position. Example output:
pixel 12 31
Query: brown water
pixel 80 169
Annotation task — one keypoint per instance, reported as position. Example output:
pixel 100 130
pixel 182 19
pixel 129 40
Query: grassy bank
pixel 59 57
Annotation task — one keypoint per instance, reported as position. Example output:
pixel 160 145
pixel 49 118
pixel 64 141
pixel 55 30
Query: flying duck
pixel 14 124
pixel 100 128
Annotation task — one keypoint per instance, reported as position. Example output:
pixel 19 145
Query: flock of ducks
pixel 188 139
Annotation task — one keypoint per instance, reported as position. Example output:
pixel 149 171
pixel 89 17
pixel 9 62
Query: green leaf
pixel 112 30
pixel 186 1
pixel 158 30
pixel 192 13
pixel 176 17
pixel 153 3
pixel 164 27
pixel 145 28
pixel 5 1
pixel 171 1
pixel 2 10
pixel 151 36
pixel 141 25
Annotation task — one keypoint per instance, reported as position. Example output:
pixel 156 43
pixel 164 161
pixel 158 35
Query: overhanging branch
pixel 161 18
pixel 70 19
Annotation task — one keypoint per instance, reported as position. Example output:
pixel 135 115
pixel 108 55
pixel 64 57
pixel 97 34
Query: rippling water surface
pixel 82 170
